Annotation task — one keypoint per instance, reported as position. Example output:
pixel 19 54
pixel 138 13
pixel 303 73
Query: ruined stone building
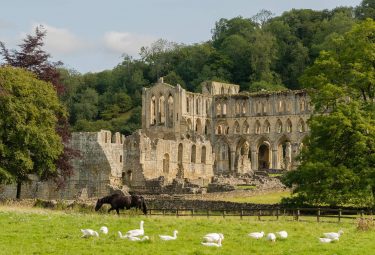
pixel 193 136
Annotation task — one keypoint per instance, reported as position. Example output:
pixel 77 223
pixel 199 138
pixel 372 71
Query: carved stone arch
pixel 288 126
pixel 284 152
pixel 222 156
pixel 302 104
pixel 238 108
pixel 243 106
pixel 197 105
pixel 279 126
pixel 193 158
pixel 224 112
pixel 266 127
pixel 245 128
pixel 189 124
pixel 166 163
pixel 242 163
pixel 180 153
pixel 264 153
pixel 218 109
pixel 257 127
pixel 236 128
pixel 301 127
pixel 170 110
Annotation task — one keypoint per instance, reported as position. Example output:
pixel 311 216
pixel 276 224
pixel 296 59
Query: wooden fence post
pixel 224 214
pixel 259 214
pixel 277 214
pixel 177 212
pixel 208 213
pixel 362 214
pixel 163 211
pixel 340 212
pixel 241 214
pixel 318 215
pixel 298 214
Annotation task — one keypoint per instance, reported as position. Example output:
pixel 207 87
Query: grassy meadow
pixel 42 231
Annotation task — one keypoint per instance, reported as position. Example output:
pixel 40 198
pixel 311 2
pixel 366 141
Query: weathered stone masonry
pixel 220 131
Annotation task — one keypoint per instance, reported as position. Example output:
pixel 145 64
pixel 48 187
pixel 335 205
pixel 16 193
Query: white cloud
pixel 123 42
pixel 61 41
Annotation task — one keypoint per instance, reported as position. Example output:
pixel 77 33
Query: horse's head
pixel 99 204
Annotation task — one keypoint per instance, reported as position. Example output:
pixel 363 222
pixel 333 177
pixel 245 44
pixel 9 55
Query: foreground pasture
pixel 42 231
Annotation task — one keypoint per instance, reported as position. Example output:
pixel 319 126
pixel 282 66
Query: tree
pixel 338 163
pixel 29 143
pixel 33 58
pixel 365 10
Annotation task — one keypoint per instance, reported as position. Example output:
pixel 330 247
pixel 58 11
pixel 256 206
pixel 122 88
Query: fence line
pixel 260 213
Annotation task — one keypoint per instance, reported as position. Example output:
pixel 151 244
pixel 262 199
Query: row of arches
pixel 198 108
pixel 261 107
pixel 161 110
pixel 260 128
pixel 242 158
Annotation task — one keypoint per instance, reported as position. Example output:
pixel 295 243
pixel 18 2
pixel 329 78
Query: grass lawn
pixel 267 198
pixel 41 231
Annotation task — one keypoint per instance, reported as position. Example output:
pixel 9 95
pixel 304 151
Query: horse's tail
pixel 144 207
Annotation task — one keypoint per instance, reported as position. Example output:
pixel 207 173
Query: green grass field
pixel 42 231
pixel 268 198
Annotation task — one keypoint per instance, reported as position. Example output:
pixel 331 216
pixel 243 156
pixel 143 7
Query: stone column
pixel 274 159
pixel 232 160
pixel 254 159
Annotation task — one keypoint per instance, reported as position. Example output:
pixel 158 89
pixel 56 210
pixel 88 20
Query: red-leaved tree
pixel 33 58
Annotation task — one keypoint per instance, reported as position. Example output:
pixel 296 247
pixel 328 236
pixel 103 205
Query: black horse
pixel 118 202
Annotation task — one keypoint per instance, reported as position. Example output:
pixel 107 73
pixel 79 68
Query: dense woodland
pixel 260 52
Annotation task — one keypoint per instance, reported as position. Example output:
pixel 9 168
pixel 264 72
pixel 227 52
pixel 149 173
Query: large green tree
pixel 338 164
pixel 29 143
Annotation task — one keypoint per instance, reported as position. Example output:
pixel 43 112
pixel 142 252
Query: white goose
pixel 104 230
pixel 218 244
pixel 168 238
pixel 133 238
pixel 271 237
pixel 282 234
pixel 88 233
pixel 333 235
pixel 213 237
pixel 256 235
pixel 327 240
pixel 136 232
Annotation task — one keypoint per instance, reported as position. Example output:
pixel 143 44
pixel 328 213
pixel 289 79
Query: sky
pixel 92 35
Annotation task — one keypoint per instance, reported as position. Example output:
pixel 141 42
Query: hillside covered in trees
pixel 262 52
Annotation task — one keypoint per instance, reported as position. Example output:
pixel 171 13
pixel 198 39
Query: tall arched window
pixel 267 127
pixel 245 128
pixel 203 155
pixel 153 110
pixel 236 128
pixel 279 126
pixel 218 109
pixel 161 112
pixel 257 127
pixel 166 163
pixel 224 109
pixel 170 111
pixel 243 108
pixel 187 105
pixel 288 126
pixel 197 104
pixel 193 153
pixel 198 126
pixel 301 126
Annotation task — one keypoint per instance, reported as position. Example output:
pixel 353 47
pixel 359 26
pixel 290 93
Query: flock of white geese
pixel 211 239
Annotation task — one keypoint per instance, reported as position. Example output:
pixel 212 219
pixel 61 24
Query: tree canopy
pixel 338 163
pixel 29 143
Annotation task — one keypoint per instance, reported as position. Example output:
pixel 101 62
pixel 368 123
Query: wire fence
pixel 296 214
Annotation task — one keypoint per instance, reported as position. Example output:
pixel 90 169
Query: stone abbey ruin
pixel 187 137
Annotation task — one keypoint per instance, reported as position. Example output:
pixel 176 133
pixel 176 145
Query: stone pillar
pixel 254 159
pixel 232 160
pixel 274 159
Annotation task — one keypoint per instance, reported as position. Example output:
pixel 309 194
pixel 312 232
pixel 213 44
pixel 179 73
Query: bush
pixel 365 224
